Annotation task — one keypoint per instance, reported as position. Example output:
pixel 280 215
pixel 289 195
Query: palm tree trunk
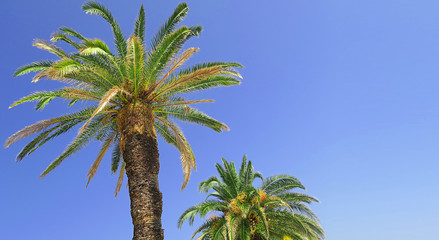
pixel 141 156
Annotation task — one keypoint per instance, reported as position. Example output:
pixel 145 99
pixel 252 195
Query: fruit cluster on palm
pixel 237 210
pixel 137 94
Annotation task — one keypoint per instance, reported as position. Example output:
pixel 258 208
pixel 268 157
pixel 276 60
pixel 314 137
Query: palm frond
pixel 225 66
pixel 199 77
pixel 139 27
pixel 44 45
pixel 95 8
pixel 102 71
pixel 39 96
pixel 62 36
pixel 280 183
pixel 95 46
pixel 80 141
pixel 203 84
pixel 48 135
pixel 206 185
pixel 164 52
pixel 72 33
pixel 116 156
pixel 33 67
pixel 177 16
pixel 136 60
pixel 178 62
pixel 59 70
pixel 174 135
pixel 29 130
pixel 32 145
pixel 180 103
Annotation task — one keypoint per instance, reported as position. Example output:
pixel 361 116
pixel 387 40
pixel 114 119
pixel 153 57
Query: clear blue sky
pixel 342 94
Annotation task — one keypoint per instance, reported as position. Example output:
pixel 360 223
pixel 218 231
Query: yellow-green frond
pixel 95 46
pixel 135 59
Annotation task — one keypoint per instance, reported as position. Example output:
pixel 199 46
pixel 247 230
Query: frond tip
pixel 29 130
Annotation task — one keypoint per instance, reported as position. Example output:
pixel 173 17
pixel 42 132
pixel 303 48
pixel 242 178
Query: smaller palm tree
pixel 240 211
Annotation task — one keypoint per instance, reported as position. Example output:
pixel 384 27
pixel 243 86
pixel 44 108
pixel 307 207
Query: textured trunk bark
pixel 141 155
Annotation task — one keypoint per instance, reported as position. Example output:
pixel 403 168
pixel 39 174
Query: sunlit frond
pixel 95 8
pixel 139 27
pixel 58 70
pixel 62 36
pixel 136 61
pixel 72 33
pixel 95 46
pixel 41 44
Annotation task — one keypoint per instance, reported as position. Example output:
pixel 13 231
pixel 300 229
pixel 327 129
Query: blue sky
pixel 341 94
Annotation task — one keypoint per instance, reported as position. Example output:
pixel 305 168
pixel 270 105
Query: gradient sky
pixel 341 94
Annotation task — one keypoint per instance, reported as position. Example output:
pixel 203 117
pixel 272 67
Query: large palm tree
pixel 240 211
pixel 137 94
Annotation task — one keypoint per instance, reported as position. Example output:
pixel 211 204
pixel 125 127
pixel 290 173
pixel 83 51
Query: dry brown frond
pixel 104 101
pixel 199 74
pixel 120 180
pixel 101 155
pixel 177 62
pixel 186 154
pixel 72 92
pixel 40 75
pixel 29 130
pixel 56 73
pixel 45 45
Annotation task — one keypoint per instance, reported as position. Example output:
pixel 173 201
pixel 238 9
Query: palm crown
pixel 238 210
pixel 137 75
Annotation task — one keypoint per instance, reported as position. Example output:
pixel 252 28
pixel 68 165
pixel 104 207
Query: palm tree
pixel 240 211
pixel 137 94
